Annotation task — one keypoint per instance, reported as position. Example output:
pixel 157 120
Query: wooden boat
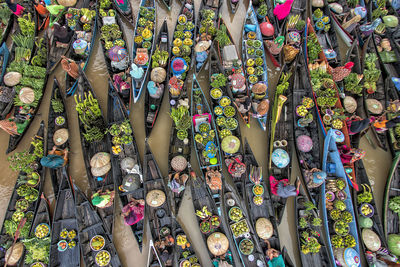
pixel 208 212
pixel 22 226
pixel 264 211
pixel 24 110
pixel 116 57
pixel 243 234
pixel 91 119
pixel 178 77
pixel 42 216
pixel 91 228
pixel 6 101
pixel 312 247
pixel 153 101
pixel 179 152
pixel 161 219
pixel 333 166
pixel 366 198
pixel 204 35
pixel 309 160
pixel 342 21
pixel 369 53
pixel 327 40
pixel 390 218
pixel 7 22
pixel 232 64
pixel 313 69
pixel 264 13
pixel 227 122
pixel 233 6
pixel 184 252
pixel 141 55
pixel 65 220
pixel 259 100
pixel 281 138
pixel 80 56
pixel 118 115
pixel 125 10
pixel 57 120
pixel 210 163
pixel 391 96
pixel 57 49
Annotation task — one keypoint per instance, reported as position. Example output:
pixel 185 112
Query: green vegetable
pixel 352 84
pixel 313 47
pixel 37 250
pixel 337 241
pixel 394 204
pixel 303 222
pixel 218 81
pixel 394 244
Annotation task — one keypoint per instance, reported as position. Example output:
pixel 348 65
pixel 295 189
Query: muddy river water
pixel 377 161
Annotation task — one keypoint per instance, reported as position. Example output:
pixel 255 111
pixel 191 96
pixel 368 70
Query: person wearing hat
pixel 283 188
pixel 133 212
pixel 62 34
pixel 315 178
pixel 274 257
pixel 103 199
pixel 225 260
pixel 177 183
pixel 356 124
pixel 55 158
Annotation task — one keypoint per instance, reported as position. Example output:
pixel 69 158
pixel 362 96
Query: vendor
pixel 283 188
pixel 357 124
pixel 133 212
pixel 225 260
pixel 17 9
pixel 55 158
pixel 62 34
pixel 274 257
pixel 103 199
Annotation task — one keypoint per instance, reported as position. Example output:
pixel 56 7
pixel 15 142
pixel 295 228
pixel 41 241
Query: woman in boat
pixel 177 183
pixel 17 9
pixel 103 199
pixel 383 125
pixel 273 256
pixel 350 155
pixel 315 177
pixel 133 212
pixel 55 158
pixel 283 188
pixel 225 260
pixel 62 35
pixel 356 124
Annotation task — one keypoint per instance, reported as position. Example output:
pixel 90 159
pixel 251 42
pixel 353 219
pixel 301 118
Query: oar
pixel 276 115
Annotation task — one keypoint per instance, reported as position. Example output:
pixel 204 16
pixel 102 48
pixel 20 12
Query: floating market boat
pixel 61 33
pixel 213 227
pixel 158 83
pixel 270 29
pixel 260 207
pixel 391 200
pixel 57 131
pixel 392 98
pixel 340 225
pixel 306 135
pixel 206 142
pixel 27 76
pixel 312 248
pixel 374 92
pixel 232 64
pixel 325 92
pixel 158 208
pixel 281 139
pixel 179 152
pixel 83 42
pixel 206 29
pixel 369 224
pixel 114 43
pixel 182 53
pixel 345 18
pixel 65 243
pixel 96 246
pixel 244 236
pixel 256 67
pixel 125 160
pixel 37 247
pixel 124 8
pixel 24 200
pixel 326 34
pixel 227 122
pixel 184 252
pixel 95 149
pixel 143 46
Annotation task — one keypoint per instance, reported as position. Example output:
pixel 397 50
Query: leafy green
pixel 222 36
pixel 37 250
pixel 313 47
pixel 394 204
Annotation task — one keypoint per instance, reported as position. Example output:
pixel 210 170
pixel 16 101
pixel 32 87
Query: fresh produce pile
pixel 321 21
pixel 182 122
pixel 240 228
pixel 144 34
pixel 235 214
pixel 97 242
pixel 42 230
pixel 246 246
pixel 121 135
pixel 65 235
pixel 205 36
pixel 103 258
pixel 210 223
pixel 309 226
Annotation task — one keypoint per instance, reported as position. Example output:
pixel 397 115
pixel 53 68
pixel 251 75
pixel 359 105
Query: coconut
pixel 217 244
pixel 179 163
pixel 371 239
pixel 100 171
pixel 264 228
pixel 155 198
pixel 12 78
pixel 158 75
pixel 26 95
pixel 100 159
